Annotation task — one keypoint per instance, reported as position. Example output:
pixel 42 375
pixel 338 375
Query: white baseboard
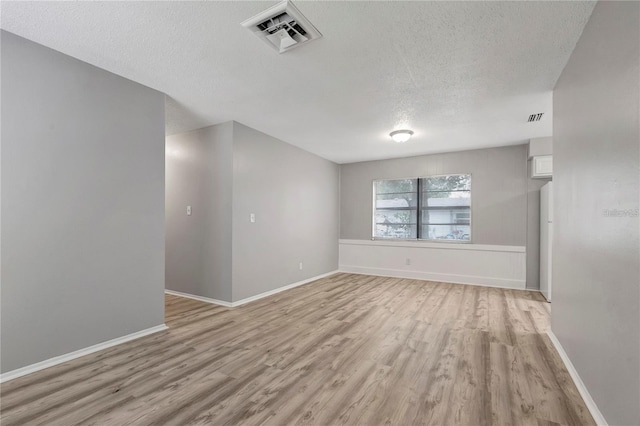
pixel 200 298
pixel 14 374
pixel 430 276
pixel 279 289
pixel 591 405
pixel 252 298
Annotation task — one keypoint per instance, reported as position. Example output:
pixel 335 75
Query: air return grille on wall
pixel 283 27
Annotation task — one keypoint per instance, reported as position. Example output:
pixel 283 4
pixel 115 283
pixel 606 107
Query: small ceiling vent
pixel 282 26
pixel 535 117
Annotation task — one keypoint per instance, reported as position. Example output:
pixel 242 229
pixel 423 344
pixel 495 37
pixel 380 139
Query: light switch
pixel 252 218
pixel 188 210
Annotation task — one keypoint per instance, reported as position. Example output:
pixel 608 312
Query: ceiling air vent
pixel 535 117
pixel 282 26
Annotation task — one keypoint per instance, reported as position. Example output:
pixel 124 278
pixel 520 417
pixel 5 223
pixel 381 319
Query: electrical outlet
pixel 252 217
pixel 300 266
pixel 407 262
pixel 188 210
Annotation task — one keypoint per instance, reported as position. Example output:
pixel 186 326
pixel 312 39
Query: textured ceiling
pixel 462 75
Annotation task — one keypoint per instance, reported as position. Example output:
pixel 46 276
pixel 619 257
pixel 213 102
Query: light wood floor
pixel 348 349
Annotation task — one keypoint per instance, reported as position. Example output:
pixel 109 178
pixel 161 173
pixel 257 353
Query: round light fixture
pixel 401 136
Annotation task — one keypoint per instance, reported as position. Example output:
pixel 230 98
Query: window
pixel 396 208
pixel 446 208
pixel 429 208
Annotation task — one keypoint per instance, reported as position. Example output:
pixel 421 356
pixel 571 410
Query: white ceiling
pixel 462 75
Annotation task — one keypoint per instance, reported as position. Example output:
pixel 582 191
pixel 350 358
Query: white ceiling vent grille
pixel 535 117
pixel 283 27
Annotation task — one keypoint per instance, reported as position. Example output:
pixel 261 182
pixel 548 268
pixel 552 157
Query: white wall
pixel 82 205
pixel 596 257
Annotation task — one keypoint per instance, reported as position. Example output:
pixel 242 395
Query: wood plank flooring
pixel 347 349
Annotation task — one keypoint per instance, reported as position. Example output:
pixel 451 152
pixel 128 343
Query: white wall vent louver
pixel 282 26
pixel 535 117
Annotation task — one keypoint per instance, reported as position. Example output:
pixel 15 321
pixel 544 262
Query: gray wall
pixel 226 172
pixel 499 191
pixel 294 195
pixel 199 171
pixel 596 275
pixel 82 205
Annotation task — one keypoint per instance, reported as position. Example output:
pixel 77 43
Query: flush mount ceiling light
pixel 401 136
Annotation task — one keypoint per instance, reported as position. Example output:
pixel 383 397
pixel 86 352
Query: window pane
pixel 397 200
pixel 447 183
pixel 447 232
pixel 396 231
pixel 395 186
pixel 447 199
pixel 446 208
pixel 396 210
pixel 384 217
pixel 460 216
